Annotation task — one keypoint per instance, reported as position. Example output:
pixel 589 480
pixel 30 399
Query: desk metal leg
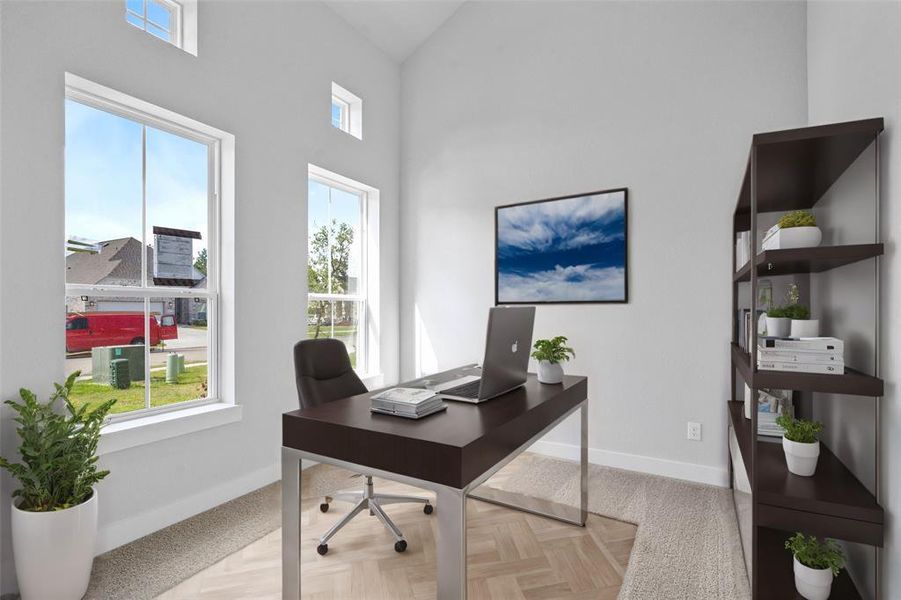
pixel 583 464
pixel 451 544
pixel 291 494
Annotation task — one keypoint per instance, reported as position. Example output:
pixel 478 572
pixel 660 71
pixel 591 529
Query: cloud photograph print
pixel 566 250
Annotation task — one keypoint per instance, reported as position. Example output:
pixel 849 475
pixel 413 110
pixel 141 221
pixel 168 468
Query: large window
pixel 141 257
pixel 338 304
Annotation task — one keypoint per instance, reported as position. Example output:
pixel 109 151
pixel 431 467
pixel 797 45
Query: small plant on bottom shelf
pixel 798 218
pixel 815 554
pixel 799 430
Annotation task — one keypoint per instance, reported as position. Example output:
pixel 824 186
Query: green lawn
pixel 326 331
pixel 190 386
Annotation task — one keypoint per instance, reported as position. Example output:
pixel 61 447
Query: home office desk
pixel 450 453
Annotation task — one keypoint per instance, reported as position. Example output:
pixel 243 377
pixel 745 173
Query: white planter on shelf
pixel 813 584
pixel 801 458
pixel 805 328
pixel 54 551
pixel 794 237
pixel 550 372
pixel 778 326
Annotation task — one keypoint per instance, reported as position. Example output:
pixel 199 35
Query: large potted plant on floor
pixel 54 512
pixel 549 354
pixel 816 565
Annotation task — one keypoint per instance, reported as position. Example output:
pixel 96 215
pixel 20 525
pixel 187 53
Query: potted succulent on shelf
pixel 816 565
pixel 801 323
pixel 549 354
pixel 778 324
pixel 797 229
pixel 800 444
pixel 54 511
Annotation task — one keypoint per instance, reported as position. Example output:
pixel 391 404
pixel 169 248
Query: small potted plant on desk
pixel 816 565
pixel 549 354
pixel 54 512
pixel 800 443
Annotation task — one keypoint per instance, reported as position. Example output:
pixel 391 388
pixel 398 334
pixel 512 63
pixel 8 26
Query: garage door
pixel 128 306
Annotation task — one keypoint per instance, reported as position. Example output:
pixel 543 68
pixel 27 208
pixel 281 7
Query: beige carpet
pixel 687 545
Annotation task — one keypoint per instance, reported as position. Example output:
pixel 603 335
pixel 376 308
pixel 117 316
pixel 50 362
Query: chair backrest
pixel 323 372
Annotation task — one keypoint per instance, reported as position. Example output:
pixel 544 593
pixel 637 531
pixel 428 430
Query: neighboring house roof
pixel 118 262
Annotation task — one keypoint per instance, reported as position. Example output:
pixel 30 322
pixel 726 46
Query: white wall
pixel 854 71
pixel 264 74
pixel 511 102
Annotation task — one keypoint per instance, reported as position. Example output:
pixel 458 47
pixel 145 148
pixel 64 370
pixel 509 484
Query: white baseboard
pixel 637 462
pixel 127 530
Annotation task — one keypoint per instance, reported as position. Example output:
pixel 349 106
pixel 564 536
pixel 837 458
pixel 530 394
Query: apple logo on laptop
pixel 515 346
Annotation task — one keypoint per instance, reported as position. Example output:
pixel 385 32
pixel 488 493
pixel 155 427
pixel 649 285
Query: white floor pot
pixel 801 458
pixel 813 584
pixel 794 237
pixel 778 326
pixel 54 551
pixel 550 372
pixel 805 328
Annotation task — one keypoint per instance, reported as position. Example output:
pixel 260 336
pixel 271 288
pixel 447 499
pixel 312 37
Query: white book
pixel 812 344
pixel 409 396
pixel 823 357
pixel 837 368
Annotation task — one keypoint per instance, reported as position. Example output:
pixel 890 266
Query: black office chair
pixel 324 373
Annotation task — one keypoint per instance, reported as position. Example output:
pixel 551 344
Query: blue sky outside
pixel 566 250
pixel 104 181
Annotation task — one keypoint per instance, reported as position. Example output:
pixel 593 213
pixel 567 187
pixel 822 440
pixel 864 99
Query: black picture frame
pixel 625 298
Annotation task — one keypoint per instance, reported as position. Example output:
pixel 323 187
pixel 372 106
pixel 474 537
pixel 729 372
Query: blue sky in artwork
pixel 104 180
pixel 563 250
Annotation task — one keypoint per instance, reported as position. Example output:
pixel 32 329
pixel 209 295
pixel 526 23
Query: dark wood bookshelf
pixel 792 170
pixel 852 382
pixel 777 562
pixel 808 260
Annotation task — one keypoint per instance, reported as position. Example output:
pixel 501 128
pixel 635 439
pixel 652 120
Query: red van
pixel 92 329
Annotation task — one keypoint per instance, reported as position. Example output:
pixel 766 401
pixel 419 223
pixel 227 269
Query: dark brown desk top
pixel 452 447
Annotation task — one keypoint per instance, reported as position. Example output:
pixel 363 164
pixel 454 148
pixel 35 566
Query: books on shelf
pixel 770 405
pixel 823 355
pixel 746 324
pixel 412 403
pixel 742 249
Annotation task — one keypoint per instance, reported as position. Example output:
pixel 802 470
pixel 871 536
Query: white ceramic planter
pixel 54 551
pixel 801 458
pixel 778 326
pixel 813 584
pixel 794 237
pixel 550 372
pixel 805 328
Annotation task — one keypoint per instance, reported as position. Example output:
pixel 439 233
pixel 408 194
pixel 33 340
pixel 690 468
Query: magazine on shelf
pixel 826 357
pixel 835 368
pixel 811 344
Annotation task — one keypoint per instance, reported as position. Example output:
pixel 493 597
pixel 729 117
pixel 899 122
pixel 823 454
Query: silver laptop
pixel 507 347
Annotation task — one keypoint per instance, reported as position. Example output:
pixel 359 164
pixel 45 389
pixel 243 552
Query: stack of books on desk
pixel 410 403
pixel 825 355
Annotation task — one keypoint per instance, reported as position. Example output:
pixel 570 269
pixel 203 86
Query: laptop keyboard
pixel 466 390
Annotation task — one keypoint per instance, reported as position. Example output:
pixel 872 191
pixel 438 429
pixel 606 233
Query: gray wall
pixel 854 71
pixel 511 102
pixel 264 74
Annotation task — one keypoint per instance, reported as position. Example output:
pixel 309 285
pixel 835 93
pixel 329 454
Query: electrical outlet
pixel 694 431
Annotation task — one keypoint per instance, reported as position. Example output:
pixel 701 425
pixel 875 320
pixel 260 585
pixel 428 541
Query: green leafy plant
pixel 792 309
pixel 776 312
pixel 799 430
pixel 798 218
pixel 58 449
pixel 797 311
pixel 553 351
pixel 815 554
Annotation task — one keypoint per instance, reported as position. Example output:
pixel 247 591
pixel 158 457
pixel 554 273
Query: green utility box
pixel 103 356
pixel 119 376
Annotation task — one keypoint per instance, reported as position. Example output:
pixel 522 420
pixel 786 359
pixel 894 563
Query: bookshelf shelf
pixel 852 382
pixel 808 260
pixel 793 170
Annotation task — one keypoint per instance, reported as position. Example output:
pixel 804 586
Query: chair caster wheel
pixel 322 548
pixel 428 509
pixel 323 507
pixel 400 546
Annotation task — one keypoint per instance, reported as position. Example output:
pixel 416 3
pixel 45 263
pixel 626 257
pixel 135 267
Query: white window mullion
pixel 146 353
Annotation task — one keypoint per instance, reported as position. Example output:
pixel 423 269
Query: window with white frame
pixel 160 18
pixel 347 111
pixel 141 254
pixel 339 302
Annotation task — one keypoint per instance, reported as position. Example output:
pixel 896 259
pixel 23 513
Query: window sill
pixel 154 428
